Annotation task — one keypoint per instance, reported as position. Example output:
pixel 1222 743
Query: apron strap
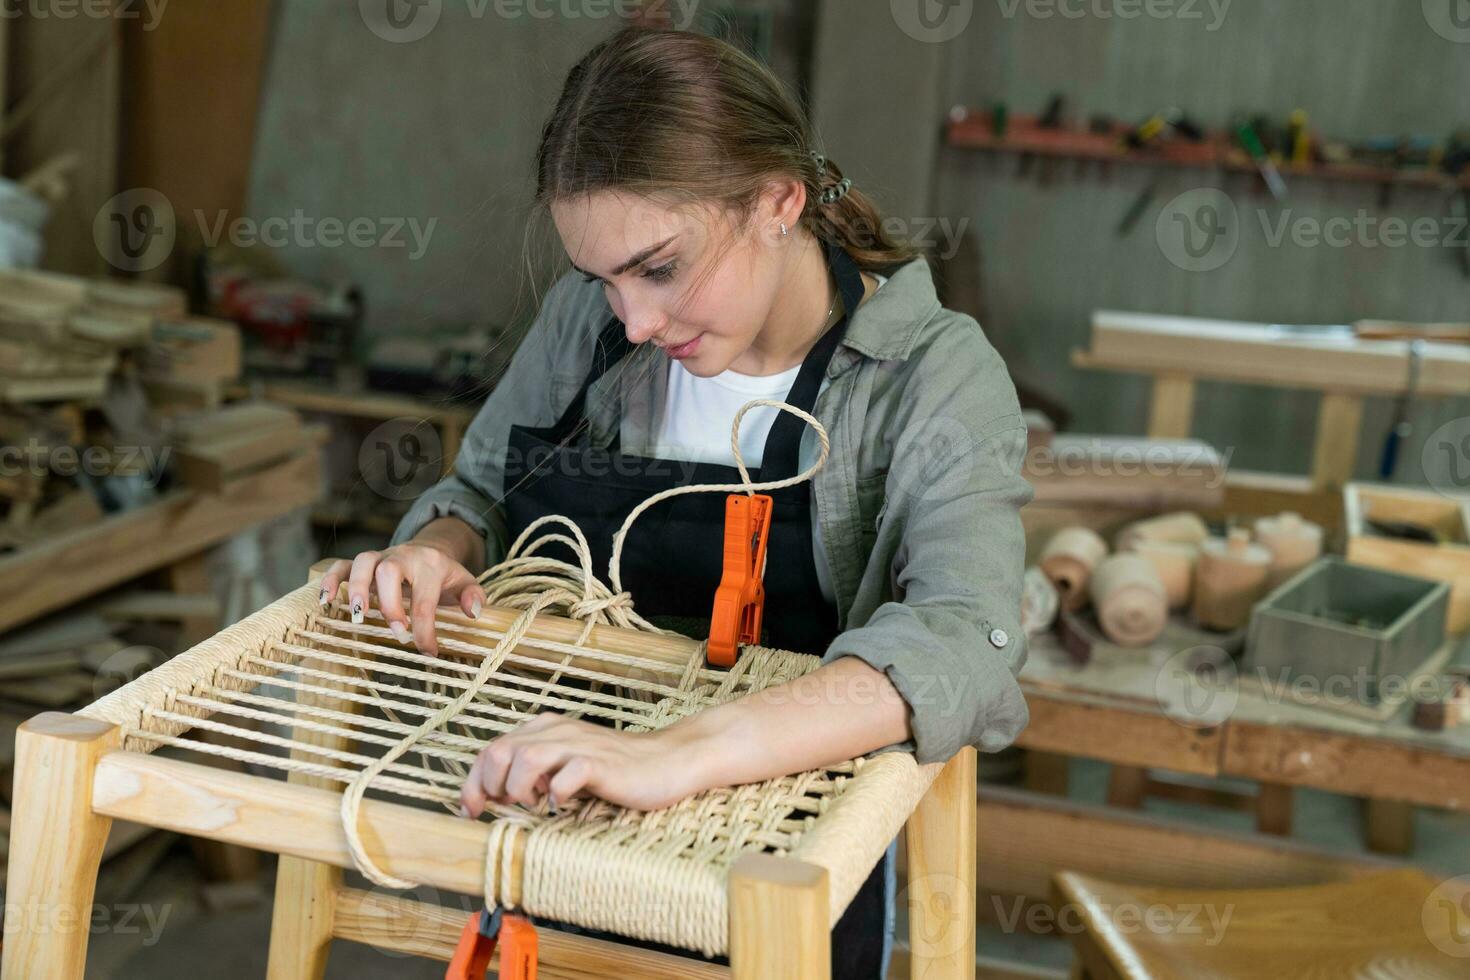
pixel 782 455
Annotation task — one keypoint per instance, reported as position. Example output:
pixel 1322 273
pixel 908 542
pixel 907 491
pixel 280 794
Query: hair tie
pixel 821 160
pixel 836 193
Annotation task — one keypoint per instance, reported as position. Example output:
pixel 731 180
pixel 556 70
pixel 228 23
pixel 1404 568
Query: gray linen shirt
pixel 919 502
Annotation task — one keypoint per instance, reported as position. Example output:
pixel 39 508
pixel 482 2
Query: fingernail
pixel 475 606
pixel 464 811
pixel 400 632
pixel 325 597
pixel 551 804
pixel 357 611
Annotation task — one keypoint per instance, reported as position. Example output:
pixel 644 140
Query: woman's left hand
pixel 552 755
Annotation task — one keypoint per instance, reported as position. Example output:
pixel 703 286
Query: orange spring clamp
pixel 741 598
pixel 516 937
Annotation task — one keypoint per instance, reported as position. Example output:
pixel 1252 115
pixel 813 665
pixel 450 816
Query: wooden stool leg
pixel 1390 827
pixel 778 919
pixel 306 891
pixel 56 845
pixel 941 869
pixel 1127 787
pixel 1274 809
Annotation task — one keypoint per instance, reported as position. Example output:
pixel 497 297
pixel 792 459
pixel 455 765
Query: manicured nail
pixel 325 598
pixel 357 611
pixel 551 804
pixel 400 632
pixel 475 606
pixel 464 811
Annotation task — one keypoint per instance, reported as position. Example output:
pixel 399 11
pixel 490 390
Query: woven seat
pixel 299 689
pixel 1390 925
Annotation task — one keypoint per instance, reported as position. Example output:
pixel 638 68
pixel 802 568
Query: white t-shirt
pixel 696 419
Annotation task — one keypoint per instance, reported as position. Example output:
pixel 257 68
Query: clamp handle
pixel 740 600
pixel 477 941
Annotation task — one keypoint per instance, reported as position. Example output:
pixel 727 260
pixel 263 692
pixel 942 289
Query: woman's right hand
pixel 434 576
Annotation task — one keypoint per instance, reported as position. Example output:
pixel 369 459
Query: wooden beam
pixel 302 821
pixel 1339 428
pixel 1028 837
pixel 940 838
pixel 1171 410
pixel 778 919
pixel 1119 734
pixel 1353 765
pixel 419 929
pixel 65 569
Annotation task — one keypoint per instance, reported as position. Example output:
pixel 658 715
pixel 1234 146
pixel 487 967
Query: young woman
pixel 718 258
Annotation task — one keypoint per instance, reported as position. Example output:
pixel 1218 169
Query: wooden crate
pixel 1448 561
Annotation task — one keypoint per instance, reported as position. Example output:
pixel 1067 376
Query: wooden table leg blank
pixel 941 872
pixel 778 919
pixel 56 845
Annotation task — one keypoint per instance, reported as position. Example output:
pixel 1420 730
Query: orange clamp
pixel 516 937
pixel 741 598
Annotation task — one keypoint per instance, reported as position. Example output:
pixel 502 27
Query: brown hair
pixel 660 112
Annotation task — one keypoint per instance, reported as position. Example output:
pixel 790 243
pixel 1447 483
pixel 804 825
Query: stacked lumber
pixel 214 448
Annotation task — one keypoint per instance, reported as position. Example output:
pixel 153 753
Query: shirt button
pixel 999 638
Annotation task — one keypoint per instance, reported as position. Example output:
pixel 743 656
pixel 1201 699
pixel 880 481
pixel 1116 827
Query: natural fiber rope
pixel 532 583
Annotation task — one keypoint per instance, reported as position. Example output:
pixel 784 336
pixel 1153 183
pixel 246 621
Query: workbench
pixel 172 532
pixel 1109 710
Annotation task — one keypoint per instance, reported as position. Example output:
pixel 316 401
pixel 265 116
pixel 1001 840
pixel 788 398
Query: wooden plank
pixel 778 919
pixel 419 929
pixel 1028 837
pixel 284 818
pixel 1254 494
pixel 1126 472
pixel 56 843
pixel 1389 826
pixel 1274 806
pixel 940 848
pixel 1260 354
pixel 1171 410
pixel 67 568
pixel 1124 735
pixel 1353 765
pixel 1339 428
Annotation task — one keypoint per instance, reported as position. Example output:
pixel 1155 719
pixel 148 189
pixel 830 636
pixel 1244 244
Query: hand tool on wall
pixel 1402 428
pixel 1253 147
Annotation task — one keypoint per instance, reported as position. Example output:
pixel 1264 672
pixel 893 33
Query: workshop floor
pixel 175 933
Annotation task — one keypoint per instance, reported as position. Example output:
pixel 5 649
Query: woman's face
pixel 682 278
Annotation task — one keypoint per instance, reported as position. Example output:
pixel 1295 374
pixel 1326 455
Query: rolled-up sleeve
pixel 950 639
pixel 525 395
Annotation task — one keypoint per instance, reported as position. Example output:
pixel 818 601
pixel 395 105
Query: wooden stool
pixel 1389 924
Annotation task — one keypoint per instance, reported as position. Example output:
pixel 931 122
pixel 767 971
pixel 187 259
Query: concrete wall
pixel 1049 252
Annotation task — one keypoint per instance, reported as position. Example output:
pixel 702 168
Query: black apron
pixel 672 559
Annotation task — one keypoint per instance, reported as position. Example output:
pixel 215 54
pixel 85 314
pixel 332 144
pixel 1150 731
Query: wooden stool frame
pixel 72 778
